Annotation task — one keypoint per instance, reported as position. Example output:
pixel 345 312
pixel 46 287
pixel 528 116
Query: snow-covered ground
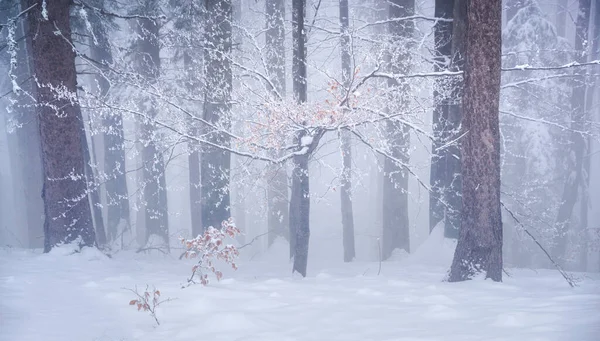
pixel 59 297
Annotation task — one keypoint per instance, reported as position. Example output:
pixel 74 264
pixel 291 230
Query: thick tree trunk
pixel 216 163
pixel 277 191
pixel 396 229
pixel 117 197
pixel 67 213
pixel 153 165
pixel 346 143
pixel 574 179
pixel 444 201
pixel 479 248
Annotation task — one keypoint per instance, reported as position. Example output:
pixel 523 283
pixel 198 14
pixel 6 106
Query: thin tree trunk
pixel 396 229
pixel 153 165
pixel 277 191
pixel 300 196
pixel 216 163
pixel 192 67
pixel 585 195
pixel 346 143
pixel 577 141
pixel 562 10
pixel 479 248
pixel 67 213
pixel 117 196
pixel 29 162
pixel 94 190
pixel 444 201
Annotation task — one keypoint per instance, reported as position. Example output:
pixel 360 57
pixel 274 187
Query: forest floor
pixel 81 297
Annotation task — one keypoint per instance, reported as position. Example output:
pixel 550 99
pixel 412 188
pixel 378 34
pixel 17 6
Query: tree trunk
pixel 444 200
pixel 277 190
pixel 117 196
pixel 193 83
pixel 562 10
pixel 396 229
pixel 300 196
pixel 216 163
pixel 577 141
pixel 346 143
pixel 153 165
pixel 479 248
pixel 28 160
pixel 67 213
pixel 93 190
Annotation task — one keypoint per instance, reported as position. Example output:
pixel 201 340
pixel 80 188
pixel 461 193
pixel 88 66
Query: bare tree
pixel 215 163
pixel 346 142
pixel 117 196
pixel 153 165
pixel 277 190
pixel 396 229
pixel 578 146
pixel 67 213
pixel 444 200
pixel 479 248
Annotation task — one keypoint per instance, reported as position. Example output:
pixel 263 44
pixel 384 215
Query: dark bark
pixel 574 179
pixel 396 229
pixel 117 197
pixel 277 191
pixel 216 163
pixel 67 213
pixel 300 196
pixel 153 165
pixel 479 248
pixel 346 143
pixel 445 202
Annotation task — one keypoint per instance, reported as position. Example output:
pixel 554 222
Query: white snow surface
pixel 62 296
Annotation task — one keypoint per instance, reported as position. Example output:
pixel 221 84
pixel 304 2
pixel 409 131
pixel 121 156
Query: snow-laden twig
pixel 567 277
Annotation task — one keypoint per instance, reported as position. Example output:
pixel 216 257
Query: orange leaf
pixel 132 302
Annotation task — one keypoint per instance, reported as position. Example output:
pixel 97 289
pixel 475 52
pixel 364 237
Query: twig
pixel 558 267
pixel 379 247
pixel 150 248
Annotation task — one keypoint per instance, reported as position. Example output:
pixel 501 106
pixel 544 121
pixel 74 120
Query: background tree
pixel 216 163
pixel 479 248
pixel 148 63
pixel 346 141
pixel 277 182
pixel 396 228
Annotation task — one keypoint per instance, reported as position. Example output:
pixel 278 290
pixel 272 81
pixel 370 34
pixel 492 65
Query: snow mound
pixel 436 250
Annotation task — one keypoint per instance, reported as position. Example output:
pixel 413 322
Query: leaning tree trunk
pixel 396 229
pixel 444 200
pixel 117 196
pixel 574 178
pixel 346 143
pixel 216 162
pixel 153 165
pixel 479 248
pixel 67 213
pixel 277 190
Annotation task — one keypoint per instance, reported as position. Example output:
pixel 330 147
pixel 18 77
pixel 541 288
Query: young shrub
pixel 209 247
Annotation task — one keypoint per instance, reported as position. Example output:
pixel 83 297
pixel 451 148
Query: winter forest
pixel 299 170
